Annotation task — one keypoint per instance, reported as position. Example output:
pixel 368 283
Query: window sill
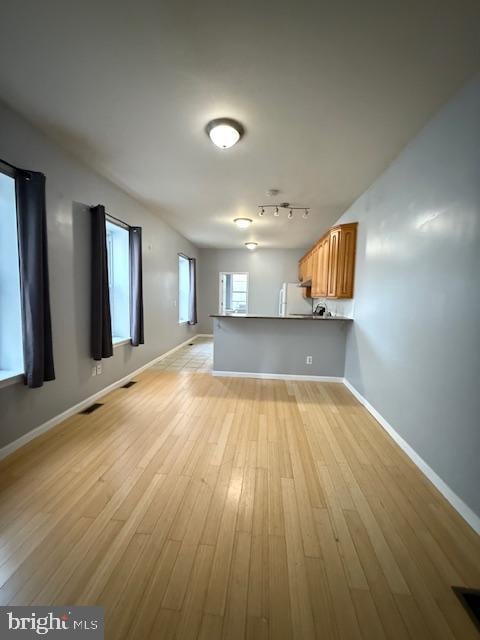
pixel 10 377
pixel 118 342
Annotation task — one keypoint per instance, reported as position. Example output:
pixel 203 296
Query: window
pixel 183 288
pixel 11 341
pixel 233 292
pixel 118 255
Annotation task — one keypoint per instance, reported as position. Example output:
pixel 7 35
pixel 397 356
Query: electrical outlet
pixel 99 369
pixel 309 360
pixel 94 370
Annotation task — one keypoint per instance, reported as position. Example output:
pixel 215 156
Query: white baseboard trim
pixel 457 503
pixel 275 376
pixel 204 335
pixel 49 424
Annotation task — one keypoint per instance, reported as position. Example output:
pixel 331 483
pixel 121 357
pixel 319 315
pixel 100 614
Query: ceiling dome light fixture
pixel 251 245
pixel 243 223
pixel 224 132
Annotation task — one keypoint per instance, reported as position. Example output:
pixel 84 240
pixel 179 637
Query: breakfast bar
pixel 263 346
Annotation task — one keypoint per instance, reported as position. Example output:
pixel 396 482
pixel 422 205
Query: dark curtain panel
pixel 192 302
pixel 101 324
pixel 136 286
pixel 33 257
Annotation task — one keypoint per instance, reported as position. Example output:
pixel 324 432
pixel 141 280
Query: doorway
pixel 233 292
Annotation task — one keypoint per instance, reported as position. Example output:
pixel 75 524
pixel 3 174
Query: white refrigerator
pixel 291 300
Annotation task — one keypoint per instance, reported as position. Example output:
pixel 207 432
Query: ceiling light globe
pixel 224 132
pixel 243 223
pixel 251 245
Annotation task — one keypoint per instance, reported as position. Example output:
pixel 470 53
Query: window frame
pixel 183 256
pixel 6 380
pixel 220 288
pixel 117 340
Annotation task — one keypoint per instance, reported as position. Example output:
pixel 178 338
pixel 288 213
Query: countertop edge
pixel 260 317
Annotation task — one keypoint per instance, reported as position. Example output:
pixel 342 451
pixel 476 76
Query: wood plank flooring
pixel 199 507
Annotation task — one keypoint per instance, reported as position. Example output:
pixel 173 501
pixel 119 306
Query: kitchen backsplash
pixel 343 308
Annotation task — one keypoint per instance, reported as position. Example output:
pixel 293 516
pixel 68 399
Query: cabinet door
pixel 301 269
pixel 333 263
pixel 346 261
pixel 315 271
pixel 323 263
pixel 308 266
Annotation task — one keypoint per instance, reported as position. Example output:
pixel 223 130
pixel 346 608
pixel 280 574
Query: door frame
pixel 220 287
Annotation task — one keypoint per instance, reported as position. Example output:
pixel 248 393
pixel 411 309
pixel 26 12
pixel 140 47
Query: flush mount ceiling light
pixel 224 132
pixel 251 245
pixel 243 223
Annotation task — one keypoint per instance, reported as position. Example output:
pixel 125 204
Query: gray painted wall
pixel 268 345
pixel 414 348
pixel 268 269
pixel 71 188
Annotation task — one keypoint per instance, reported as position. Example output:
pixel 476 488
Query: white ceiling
pixel 329 93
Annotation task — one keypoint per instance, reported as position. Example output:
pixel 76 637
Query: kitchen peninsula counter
pixel 268 346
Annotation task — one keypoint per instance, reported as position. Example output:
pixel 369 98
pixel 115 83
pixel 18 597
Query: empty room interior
pixel 240 320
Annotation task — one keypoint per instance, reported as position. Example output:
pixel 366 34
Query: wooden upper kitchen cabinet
pixel 346 260
pixel 309 266
pixel 331 263
pixel 320 268
pixel 305 267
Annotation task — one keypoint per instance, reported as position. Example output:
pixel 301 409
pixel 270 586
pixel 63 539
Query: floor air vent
pixel 93 407
pixel 470 598
pixel 129 384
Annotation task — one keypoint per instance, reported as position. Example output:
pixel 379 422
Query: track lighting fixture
pixel 282 205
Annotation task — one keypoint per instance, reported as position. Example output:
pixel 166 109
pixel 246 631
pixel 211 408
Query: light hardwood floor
pixel 199 507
